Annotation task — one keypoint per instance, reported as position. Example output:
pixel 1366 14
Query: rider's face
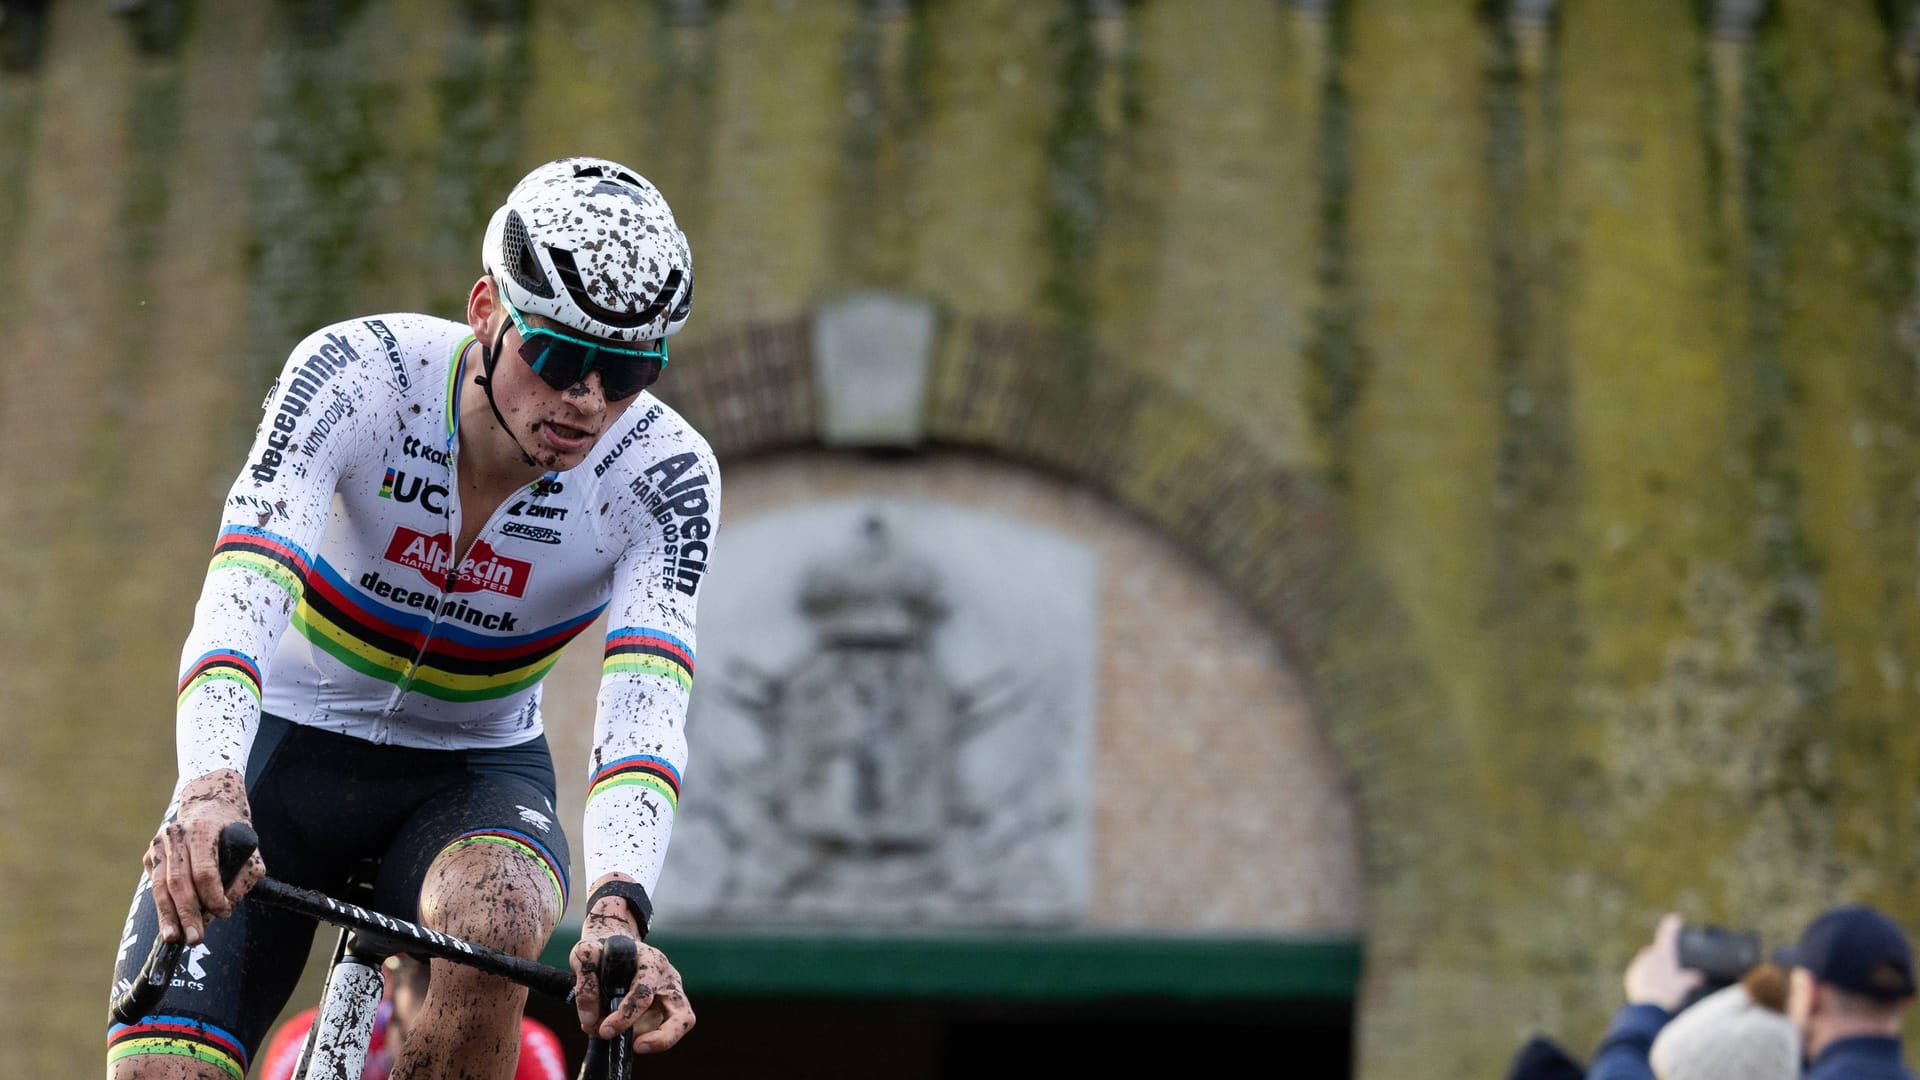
pixel 557 428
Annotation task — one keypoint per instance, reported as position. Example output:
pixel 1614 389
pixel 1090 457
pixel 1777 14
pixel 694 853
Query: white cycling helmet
pixel 590 244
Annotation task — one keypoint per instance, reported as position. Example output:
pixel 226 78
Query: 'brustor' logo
pixel 613 454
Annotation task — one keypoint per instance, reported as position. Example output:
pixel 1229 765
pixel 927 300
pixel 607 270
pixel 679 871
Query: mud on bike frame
pixel 336 1047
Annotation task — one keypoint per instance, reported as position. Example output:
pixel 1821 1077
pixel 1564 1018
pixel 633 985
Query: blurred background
pixel 1370 501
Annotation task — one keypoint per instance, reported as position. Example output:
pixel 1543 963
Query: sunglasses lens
pixel 621 379
pixel 561 363
pixel 556 360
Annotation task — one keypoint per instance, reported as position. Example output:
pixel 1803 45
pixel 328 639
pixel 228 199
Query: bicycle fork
pixel 336 1047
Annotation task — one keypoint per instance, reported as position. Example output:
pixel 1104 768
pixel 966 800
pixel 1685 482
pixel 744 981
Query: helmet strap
pixel 485 382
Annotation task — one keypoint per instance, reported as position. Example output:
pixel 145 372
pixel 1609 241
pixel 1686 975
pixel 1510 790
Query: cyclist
pixel 541 1057
pixel 429 511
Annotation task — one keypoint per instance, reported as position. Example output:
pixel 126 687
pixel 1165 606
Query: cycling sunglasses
pixel 561 360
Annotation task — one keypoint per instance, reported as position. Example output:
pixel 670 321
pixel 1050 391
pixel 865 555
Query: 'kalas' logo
pixel 483 569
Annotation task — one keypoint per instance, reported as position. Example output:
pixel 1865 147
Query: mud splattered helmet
pixel 590 244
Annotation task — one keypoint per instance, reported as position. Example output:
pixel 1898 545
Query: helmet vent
pixel 570 277
pixel 602 172
pixel 521 263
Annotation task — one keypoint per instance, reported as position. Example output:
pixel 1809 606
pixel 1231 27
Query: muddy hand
pixel 655 1011
pixel 183 859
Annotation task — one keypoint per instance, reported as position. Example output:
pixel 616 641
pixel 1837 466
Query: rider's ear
pixel 483 307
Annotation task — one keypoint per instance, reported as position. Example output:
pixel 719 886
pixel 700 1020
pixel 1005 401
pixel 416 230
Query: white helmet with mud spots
pixel 590 244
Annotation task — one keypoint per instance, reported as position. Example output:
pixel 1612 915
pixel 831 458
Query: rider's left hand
pixel 655 1010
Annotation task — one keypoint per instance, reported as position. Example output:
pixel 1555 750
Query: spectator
pixel 1543 1059
pixel 1737 1033
pixel 1851 982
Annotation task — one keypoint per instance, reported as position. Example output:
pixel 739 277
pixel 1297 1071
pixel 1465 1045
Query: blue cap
pixel 1855 948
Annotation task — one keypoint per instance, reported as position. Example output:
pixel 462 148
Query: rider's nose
pixel 588 394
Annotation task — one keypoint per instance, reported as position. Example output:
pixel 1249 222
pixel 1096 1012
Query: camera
pixel 1719 954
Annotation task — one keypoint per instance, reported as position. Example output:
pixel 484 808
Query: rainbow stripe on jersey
pixel 381 641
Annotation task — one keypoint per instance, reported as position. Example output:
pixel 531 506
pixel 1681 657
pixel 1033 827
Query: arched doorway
pixel 1221 889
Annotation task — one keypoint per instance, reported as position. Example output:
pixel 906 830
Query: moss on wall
pixel 1849 436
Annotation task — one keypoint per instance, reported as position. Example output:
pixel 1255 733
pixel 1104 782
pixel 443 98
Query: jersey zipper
pixel 454 558
pixel 453 576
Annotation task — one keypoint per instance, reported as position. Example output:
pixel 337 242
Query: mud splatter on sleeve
pixel 275 516
pixel 640 745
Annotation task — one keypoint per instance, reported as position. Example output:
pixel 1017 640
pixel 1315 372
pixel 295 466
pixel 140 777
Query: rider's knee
pixel 492 896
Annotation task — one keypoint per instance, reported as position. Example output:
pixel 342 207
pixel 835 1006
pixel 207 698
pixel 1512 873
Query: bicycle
pixel 336 1046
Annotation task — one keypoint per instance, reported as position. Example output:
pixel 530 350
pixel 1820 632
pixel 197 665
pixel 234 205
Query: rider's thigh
pixel 485 862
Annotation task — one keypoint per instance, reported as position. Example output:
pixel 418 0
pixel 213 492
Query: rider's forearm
pixel 632 800
pixel 646 681
pixel 218 707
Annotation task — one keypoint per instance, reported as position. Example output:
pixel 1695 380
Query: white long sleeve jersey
pixel 341 527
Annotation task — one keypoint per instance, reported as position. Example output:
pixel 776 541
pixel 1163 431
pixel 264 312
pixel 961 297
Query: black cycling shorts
pixel 351 819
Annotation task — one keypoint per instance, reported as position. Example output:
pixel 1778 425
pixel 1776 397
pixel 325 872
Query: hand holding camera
pixel 1656 976
pixel 1683 963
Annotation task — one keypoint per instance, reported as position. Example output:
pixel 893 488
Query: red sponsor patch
pixel 484 569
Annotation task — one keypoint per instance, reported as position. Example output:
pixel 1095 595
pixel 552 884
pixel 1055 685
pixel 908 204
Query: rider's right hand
pixel 184 862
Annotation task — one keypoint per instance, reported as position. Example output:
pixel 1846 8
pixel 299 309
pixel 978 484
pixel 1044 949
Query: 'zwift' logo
pixel 483 569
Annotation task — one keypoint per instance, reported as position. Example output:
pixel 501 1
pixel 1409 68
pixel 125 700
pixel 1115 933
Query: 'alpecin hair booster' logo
pixel 484 568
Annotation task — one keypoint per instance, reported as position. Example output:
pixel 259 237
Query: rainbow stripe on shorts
pixel 178 1036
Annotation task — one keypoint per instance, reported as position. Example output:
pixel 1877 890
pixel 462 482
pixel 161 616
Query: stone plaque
pixel 891 723
pixel 871 355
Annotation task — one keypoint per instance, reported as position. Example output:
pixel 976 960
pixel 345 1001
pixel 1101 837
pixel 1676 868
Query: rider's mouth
pixel 566 437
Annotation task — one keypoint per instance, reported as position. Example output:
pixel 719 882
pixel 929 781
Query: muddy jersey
pixel 333 599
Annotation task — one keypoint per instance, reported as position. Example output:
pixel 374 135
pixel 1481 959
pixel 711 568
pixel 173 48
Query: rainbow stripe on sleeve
pixel 643 770
pixel 642 650
pixel 178 1036
pixel 221 664
pixel 270 555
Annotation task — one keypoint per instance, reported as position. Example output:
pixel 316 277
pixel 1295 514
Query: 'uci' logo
pixel 400 487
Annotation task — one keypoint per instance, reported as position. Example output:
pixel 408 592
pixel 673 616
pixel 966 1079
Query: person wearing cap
pixel 1851 983
pixel 1736 1033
